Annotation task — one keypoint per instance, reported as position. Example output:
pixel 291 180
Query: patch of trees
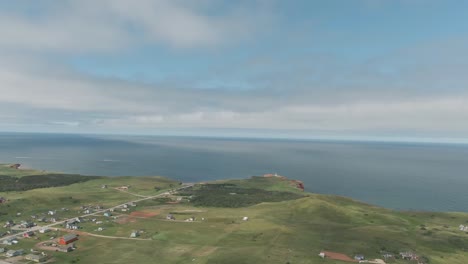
pixel 232 196
pixel 9 183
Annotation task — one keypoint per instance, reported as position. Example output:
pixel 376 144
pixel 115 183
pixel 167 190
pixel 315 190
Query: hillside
pixel 256 220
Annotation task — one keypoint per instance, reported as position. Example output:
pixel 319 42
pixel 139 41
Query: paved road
pixel 37 228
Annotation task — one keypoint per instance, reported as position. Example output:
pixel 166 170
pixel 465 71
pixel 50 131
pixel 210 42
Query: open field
pixel 294 230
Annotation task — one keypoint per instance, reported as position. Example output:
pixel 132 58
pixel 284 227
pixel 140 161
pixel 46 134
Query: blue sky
pixel 340 69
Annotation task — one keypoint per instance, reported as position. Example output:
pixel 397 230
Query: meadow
pixel 294 230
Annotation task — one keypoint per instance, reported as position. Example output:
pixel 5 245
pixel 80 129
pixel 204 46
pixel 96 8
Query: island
pixel 65 218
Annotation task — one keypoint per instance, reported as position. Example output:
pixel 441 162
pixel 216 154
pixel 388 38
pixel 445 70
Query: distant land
pixel 403 176
pixel 69 218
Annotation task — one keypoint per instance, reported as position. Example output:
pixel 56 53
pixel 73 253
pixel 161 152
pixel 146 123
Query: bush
pixel 9 183
pixel 231 195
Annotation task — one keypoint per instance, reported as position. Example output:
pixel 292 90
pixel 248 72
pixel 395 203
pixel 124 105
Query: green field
pixel 293 230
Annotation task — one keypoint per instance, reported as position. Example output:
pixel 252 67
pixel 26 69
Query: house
pixel 9 223
pixel 104 186
pixel 26 224
pixel 322 254
pixel 36 258
pixel 28 234
pixel 66 249
pixel 409 256
pixel 8 242
pixel 359 257
pixel 463 228
pixel 51 213
pixel 134 234
pixel 245 218
pixel 107 214
pixel 13 253
pixel 2 250
pixel 67 239
pixel 44 230
pixel 170 217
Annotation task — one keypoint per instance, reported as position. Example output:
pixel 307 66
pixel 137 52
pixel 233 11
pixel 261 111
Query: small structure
pixel 67 248
pixel 170 217
pixel 359 257
pixel 104 186
pixel 26 224
pixel 13 253
pixel 245 218
pixel 15 166
pixel 2 250
pixel 9 223
pixel 387 255
pixel 409 256
pixel 8 242
pixel 28 234
pixel 36 258
pixel 134 234
pixel 44 230
pixel 107 214
pixel 67 239
pixel 322 254
pixel 2 200
pixel 463 228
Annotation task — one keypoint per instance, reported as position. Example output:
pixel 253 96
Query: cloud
pixel 411 90
pixel 108 25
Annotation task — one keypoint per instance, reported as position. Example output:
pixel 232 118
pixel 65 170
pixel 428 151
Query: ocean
pixel 404 176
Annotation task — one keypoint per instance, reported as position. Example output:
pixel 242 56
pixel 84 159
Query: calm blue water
pixel 394 175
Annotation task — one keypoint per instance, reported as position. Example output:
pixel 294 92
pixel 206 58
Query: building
pixel 2 200
pixel 134 234
pixel 170 217
pixel 44 230
pixel 36 258
pixel 68 248
pixel 67 239
pixel 28 234
pixel 359 257
pixel 2 250
pixel 13 253
pixel 245 218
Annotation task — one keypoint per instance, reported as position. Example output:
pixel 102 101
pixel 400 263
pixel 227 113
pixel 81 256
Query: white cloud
pixel 109 25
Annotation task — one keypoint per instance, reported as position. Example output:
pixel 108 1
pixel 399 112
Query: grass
pixel 5 170
pixel 290 231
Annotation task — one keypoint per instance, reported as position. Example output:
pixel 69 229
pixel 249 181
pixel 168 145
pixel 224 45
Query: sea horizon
pixel 403 176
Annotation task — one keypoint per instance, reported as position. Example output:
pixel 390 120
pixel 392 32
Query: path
pixel 134 194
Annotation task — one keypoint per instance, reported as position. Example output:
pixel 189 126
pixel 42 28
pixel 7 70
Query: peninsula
pixel 64 218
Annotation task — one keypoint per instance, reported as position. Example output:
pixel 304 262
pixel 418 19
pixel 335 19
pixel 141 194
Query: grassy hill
pixel 284 224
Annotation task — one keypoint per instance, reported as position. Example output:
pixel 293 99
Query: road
pixel 61 222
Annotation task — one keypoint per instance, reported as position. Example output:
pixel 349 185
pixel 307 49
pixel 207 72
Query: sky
pixel 392 69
